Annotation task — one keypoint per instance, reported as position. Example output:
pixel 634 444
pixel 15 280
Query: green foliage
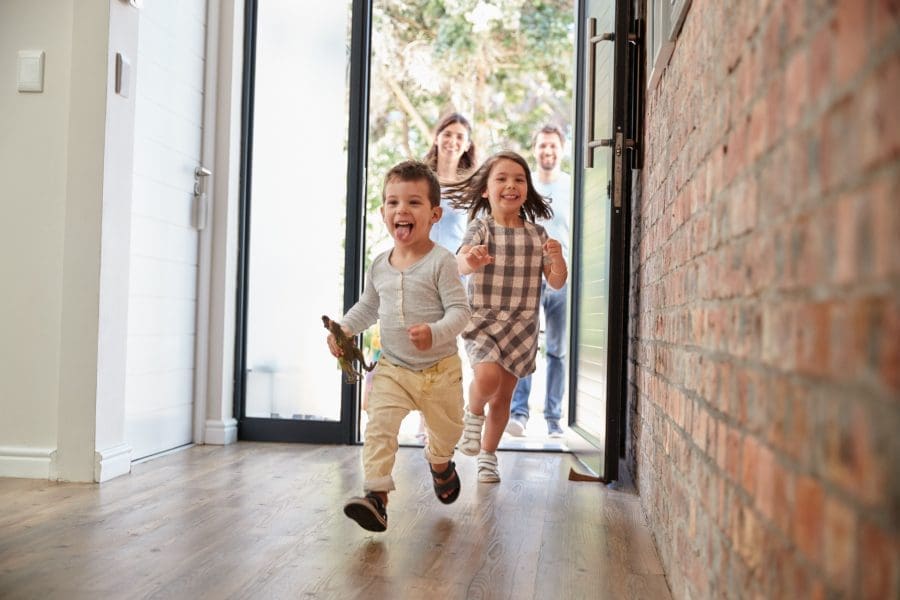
pixel 507 65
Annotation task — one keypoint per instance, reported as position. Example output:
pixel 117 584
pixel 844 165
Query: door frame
pixel 346 430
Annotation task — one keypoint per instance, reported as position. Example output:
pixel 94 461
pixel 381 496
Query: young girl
pixel 506 254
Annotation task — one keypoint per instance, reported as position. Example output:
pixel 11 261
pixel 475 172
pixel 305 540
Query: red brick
pixel 733 455
pixel 749 464
pixel 840 545
pixel 889 355
pixel 852 37
pixel 879 114
pixel 845 269
pixel 765 482
pixel 820 61
pixel 783 497
pixel 885 211
pixel 808 517
pixel 851 459
pixel 797 100
pixel 885 18
pixel 879 563
pixel 814 339
pixel 779 339
pixel 797 443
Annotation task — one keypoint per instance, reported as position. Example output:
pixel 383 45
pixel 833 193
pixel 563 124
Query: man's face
pixel 547 151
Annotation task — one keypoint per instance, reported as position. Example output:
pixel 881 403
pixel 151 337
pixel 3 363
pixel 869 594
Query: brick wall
pixel 764 366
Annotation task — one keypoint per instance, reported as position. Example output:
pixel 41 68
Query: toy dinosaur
pixel 350 352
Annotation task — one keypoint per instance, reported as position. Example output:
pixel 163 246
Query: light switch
pixel 30 71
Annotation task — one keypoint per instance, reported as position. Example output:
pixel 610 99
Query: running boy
pixel 414 292
pixel 508 256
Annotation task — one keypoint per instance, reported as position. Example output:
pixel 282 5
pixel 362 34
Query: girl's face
pixel 453 140
pixel 507 188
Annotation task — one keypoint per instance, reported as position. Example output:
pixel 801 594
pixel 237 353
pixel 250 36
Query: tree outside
pixel 507 65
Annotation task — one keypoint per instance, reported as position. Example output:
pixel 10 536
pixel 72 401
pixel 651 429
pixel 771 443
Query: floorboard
pixel 256 520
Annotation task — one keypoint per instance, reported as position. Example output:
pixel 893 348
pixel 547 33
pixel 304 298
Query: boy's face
pixel 407 211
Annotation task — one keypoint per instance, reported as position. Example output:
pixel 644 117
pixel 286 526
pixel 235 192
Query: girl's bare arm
pixel 556 272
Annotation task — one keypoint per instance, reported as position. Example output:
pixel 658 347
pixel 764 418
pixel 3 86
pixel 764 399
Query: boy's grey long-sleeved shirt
pixel 428 291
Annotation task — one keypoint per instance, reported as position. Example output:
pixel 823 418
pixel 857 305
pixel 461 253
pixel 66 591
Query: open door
pixel 602 221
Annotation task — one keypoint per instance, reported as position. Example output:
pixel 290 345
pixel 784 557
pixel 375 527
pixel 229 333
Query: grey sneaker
pixel 553 429
pixel 516 425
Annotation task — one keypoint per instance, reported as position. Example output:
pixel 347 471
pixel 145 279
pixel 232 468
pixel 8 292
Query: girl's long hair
pixel 469 192
pixel 467 161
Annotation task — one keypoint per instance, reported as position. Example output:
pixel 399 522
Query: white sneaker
pixel 516 426
pixel 470 444
pixel 488 470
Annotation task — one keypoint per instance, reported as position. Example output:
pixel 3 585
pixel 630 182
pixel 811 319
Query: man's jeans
pixel 554 303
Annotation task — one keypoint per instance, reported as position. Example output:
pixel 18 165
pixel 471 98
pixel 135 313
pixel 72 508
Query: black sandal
pixel 369 511
pixel 450 485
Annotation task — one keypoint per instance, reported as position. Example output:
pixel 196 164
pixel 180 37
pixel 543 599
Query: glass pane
pixel 593 268
pixel 297 207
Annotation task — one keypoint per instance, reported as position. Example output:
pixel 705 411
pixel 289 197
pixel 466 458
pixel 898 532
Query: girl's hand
pixel 420 336
pixel 477 257
pixel 553 249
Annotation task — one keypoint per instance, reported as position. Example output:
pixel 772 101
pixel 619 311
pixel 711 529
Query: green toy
pixel 350 353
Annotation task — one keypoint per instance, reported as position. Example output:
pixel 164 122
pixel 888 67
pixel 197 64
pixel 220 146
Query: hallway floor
pixel 256 520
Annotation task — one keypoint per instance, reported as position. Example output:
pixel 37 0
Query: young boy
pixel 415 293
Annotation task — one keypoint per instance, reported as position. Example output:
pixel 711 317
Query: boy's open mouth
pixel 402 230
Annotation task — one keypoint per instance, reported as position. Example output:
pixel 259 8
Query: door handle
pixel 593 40
pixel 201 204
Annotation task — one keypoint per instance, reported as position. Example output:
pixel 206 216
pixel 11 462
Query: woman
pixel 452 156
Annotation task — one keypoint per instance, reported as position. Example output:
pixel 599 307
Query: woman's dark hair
pixel 469 192
pixel 467 160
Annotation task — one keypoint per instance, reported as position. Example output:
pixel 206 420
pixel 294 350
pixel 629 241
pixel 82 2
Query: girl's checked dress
pixel 505 295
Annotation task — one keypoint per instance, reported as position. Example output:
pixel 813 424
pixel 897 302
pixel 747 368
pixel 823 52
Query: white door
pixel 164 242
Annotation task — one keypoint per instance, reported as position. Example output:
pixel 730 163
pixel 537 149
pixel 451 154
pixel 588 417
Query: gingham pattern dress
pixel 505 295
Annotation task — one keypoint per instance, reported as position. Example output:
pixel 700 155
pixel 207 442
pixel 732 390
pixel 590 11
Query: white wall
pixel 65 162
pixel 33 172
pixel 65 201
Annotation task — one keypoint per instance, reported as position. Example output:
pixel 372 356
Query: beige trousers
pixel 435 391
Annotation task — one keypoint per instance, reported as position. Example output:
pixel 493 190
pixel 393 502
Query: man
pixel 556 186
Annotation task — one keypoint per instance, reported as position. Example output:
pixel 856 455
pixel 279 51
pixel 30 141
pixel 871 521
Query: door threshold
pixel 163 453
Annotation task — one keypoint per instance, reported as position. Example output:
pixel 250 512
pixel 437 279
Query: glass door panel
pixel 601 232
pixel 297 209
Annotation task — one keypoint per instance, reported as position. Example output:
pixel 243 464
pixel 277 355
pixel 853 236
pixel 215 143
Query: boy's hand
pixel 420 336
pixel 553 249
pixel 477 257
pixel 333 346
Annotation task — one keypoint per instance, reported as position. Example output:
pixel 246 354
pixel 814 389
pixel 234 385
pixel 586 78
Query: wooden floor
pixel 257 520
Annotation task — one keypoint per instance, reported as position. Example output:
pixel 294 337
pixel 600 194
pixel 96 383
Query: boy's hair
pixel 468 159
pixel 549 129
pixel 413 170
pixel 469 191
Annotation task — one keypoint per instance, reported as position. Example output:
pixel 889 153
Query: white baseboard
pixel 112 462
pixel 220 432
pixel 27 462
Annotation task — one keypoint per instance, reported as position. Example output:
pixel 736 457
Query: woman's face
pixel 452 141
